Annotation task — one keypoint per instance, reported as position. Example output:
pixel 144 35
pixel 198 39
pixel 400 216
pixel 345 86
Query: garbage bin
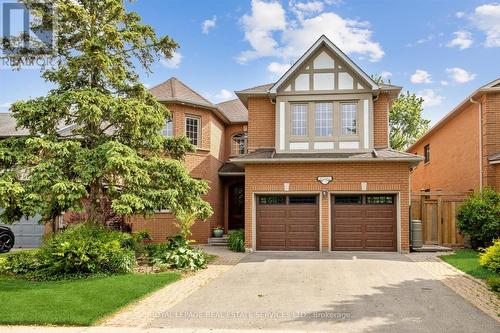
pixel 416 234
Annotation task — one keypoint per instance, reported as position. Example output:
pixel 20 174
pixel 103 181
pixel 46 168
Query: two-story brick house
pixel 462 151
pixel 301 164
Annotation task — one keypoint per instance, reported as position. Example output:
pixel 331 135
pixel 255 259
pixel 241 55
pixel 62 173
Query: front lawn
pixel 74 302
pixel 468 261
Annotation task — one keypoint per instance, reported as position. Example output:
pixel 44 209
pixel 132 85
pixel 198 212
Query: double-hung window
pixel 299 119
pixel 169 129
pixel 348 114
pixel 193 130
pixel 427 153
pixel 324 119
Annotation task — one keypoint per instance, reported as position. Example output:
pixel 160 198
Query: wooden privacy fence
pixel 438 211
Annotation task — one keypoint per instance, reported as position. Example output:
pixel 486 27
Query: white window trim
pixel 198 120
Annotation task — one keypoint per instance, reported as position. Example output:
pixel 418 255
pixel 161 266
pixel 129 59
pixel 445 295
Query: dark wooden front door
pixel 236 206
pixel 287 223
pixel 364 223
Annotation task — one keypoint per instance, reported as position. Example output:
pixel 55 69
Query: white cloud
pixel 385 75
pixel 444 83
pixel 278 68
pixel 459 14
pixel 259 26
pixel 173 62
pixel 463 39
pixel 420 76
pixel 351 36
pixel 310 7
pixel 208 24
pixel 430 97
pixel 297 35
pixel 460 75
pixel 487 19
pixel 224 95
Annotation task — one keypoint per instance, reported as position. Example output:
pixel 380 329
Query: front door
pixel 236 206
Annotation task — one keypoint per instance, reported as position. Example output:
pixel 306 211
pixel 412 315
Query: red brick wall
pixel 491 137
pixel 201 164
pixel 381 121
pixel 390 177
pixel 261 123
pixel 454 155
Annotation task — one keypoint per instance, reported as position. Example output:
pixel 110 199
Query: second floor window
pixel 239 144
pixel 427 154
pixel 299 119
pixel 324 119
pixel 193 130
pixel 169 129
pixel 348 113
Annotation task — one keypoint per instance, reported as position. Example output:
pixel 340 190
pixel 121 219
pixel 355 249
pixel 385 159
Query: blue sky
pixel 442 50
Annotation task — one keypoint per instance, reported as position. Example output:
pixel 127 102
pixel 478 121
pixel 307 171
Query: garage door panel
pixel 363 226
pixel 303 228
pixel 348 244
pixel 379 243
pixel 379 228
pixel 272 228
pixel 340 228
pixel 287 227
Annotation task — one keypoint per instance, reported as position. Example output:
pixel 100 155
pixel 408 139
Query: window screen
pixel 193 130
pixel 348 115
pixel 299 119
pixel 324 119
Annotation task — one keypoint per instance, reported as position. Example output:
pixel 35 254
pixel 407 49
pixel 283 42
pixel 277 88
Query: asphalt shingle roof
pixel 234 110
pixel 174 90
pixel 8 126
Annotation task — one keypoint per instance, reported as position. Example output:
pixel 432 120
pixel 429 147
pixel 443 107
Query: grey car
pixel 7 239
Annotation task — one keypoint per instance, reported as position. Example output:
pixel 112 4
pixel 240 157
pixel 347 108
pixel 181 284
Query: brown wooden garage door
pixel 364 223
pixel 287 223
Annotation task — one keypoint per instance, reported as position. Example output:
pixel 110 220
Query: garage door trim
pixel 397 196
pixel 255 196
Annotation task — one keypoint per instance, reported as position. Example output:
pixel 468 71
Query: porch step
pixel 218 241
pixel 432 248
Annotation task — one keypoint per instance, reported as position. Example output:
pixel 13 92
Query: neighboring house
pixel 462 151
pixel 301 164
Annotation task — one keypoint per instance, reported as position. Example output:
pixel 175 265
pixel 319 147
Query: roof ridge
pixel 194 91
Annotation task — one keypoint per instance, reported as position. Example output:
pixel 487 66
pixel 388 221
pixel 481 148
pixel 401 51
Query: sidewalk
pixel 100 329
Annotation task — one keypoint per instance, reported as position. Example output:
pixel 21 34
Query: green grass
pixel 468 261
pixel 74 302
pixel 211 257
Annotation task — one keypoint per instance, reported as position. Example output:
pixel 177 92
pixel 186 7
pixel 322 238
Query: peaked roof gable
pixel 323 40
pixel 174 90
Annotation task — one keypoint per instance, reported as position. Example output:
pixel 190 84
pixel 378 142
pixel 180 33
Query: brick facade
pixel 381 121
pixel 454 155
pixel 454 150
pixel 261 123
pixel 203 164
pixel 380 177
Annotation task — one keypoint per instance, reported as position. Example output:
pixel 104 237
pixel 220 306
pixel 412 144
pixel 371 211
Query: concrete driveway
pixel 352 292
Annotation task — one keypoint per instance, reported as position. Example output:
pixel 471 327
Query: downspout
pixel 480 141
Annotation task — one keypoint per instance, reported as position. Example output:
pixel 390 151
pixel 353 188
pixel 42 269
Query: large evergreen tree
pixel 111 151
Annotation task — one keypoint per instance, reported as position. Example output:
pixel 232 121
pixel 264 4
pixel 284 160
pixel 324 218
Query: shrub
pixel 81 250
pixel 490 258
pixel 494 283
pixel 479 217
pixel 176 253
pixel 236 241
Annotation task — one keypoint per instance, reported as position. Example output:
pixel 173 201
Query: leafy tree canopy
pixel 406 124
pixel 96 136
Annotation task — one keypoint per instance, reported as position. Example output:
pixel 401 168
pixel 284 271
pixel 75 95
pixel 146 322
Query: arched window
pixel 239 144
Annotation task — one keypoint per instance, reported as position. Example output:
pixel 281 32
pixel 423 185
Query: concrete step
pixel 218 241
